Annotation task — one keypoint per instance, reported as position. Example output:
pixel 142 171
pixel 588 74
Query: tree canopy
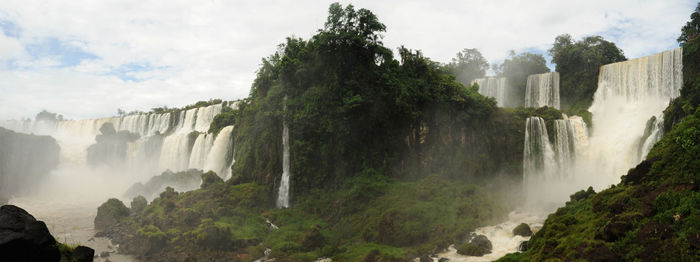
pixel 468 65
pixel 517 67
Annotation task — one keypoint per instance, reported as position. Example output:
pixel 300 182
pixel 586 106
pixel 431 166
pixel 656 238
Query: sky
pixel 86 59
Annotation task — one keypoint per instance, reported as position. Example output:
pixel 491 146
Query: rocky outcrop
pixel 181 181
pixel 111 146
pixel 477 246
pixel 522 230
pixel 23 238
pixel 110 214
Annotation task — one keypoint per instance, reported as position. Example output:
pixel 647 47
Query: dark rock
pixel 83 254
pixel 425 258
pixel 523 246
pixel 210 178
pixel 110 213
pixel 522 230
pixel 444 259
pixel 23 238
pixel 104 254
pixel 478 246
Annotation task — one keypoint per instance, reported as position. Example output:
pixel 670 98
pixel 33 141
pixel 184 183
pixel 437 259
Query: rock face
pixel 110 213
pixel 23 238
pixel 111 146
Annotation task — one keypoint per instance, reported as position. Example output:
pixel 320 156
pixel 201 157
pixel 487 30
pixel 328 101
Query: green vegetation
pixel 654 213
pixel 578 64
pixel 468 65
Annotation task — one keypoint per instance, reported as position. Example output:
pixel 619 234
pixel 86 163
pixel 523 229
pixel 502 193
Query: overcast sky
pixel 85 59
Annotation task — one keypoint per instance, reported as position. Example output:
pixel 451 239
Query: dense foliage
pixel 468 65
pixel 578 64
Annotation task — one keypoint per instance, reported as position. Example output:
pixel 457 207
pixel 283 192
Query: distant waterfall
pixel 542 90
pixel 629 94
pixel 283 193
pixel 496 88
pixel 173 140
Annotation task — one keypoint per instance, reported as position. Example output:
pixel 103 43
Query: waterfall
pixel 283 193
pixel 652 133
pixel 629 94
pixel 570 142
pixel 538 156
pixel 200 150
pixel 171 140
pixel 542 90
pixel 220 156
pixel 496 88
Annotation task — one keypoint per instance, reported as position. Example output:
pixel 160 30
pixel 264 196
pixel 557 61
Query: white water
pixel 542 90
pixel 220 156
pixel 283 192
pixel 495 87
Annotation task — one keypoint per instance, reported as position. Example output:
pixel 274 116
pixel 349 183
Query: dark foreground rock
pixel 522 230
pixel 110 213
pixel 23 238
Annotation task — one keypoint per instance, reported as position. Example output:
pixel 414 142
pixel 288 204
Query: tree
pixel 517 68
pixel 468 65
pixel 120 112
pixel 691 30
pixel 578 64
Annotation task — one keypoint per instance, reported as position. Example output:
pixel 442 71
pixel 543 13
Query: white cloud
pixel 191 51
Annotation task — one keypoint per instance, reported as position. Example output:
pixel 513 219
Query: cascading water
pixel 538 156
pixel 496 88
pixel 570 142
pixel 220 156
pixel 652 133
pixel 283 192
pixel 629 94
pixel 542 90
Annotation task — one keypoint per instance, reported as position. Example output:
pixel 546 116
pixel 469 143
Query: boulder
pixel 478 246
pixel 110 214
pixel 523 246
pixel 522 230
pixel 23 238
pixel 83 254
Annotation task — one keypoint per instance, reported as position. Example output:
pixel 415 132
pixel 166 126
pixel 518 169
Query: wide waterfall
pixel 175 140
pixel 495 87
pixel 629 94
pixel 283 192
pixel 542 90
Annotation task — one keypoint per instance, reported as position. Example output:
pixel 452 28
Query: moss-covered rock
pixel 138 204
pixel 522 230
pixel 110 213
pixel 210 178
pixel 478 246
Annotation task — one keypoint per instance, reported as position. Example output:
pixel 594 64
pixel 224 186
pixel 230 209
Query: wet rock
pixel 83 254
pixel 104 254
pixel 110 213
pixel 522 230
pixel 523 246
pixel 444 259
pixel 478 246
pixel 23 238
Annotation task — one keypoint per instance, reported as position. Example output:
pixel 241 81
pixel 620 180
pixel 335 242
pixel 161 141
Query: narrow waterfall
pixel 220 156
pixel 283 193
pixel 494 87
pixel 629 94
pixel 200 150
pixel 542 90
pixel 652 133
pixel 538 156
pixel 570 142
